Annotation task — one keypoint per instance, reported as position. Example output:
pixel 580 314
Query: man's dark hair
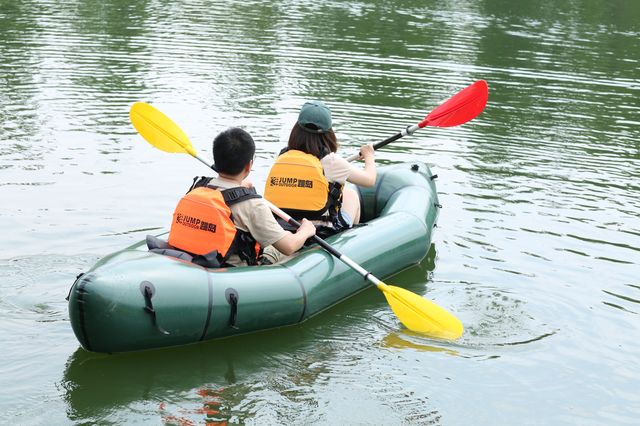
pixel 232 150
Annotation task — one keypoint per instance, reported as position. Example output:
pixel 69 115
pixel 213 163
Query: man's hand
pixel 307 228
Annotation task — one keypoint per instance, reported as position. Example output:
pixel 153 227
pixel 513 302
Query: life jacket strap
pixel 238 194
pixel 334 201
pixel 198 182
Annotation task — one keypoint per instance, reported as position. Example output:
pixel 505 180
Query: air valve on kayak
pixel 147 290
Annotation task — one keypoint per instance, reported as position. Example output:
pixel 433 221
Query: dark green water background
pixel 537 248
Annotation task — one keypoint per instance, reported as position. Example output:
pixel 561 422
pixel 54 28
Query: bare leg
pixel 351 204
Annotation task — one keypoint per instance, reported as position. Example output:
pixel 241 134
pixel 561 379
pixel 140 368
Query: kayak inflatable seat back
pixel 135 299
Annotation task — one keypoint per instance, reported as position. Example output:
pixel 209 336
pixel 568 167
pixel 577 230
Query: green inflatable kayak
pixel 135 299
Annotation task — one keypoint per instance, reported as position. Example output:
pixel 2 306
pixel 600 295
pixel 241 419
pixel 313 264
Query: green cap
pixel 316 113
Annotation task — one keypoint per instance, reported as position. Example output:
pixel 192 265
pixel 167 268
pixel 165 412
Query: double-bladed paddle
pixel 460 108
pixel 415 312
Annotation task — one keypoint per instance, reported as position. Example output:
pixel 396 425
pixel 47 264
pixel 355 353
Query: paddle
pixel 415 312
pixel 460 108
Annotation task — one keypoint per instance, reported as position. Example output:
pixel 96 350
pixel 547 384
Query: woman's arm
pixel 365 177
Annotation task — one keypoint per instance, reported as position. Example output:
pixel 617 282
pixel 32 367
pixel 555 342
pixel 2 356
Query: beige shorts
pixel 271 255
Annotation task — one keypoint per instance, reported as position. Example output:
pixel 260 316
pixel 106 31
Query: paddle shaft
pixel 460 108
pixel 409 130
pixel 203 161
pixel 365 274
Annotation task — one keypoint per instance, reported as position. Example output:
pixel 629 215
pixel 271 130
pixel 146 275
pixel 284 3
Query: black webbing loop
pixel 234 310
pixel 147 291
pixel 232 298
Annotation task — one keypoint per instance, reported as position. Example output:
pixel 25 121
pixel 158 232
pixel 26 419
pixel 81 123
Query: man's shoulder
pixel 254 211
pixel 253 205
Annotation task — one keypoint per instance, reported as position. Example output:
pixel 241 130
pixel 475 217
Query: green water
pixel 537 248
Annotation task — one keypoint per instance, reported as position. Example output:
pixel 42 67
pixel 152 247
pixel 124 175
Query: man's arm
pixel 291 243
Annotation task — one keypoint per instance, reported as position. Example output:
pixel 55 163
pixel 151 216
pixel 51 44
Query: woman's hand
pixel 365 177
pixel 367 153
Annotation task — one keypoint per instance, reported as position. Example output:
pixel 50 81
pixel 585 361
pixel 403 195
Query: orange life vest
pixel 203 224
pixel 297 185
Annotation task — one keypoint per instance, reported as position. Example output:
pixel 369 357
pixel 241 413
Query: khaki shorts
pixel 270 256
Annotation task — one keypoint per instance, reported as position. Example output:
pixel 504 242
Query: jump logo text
pixel 291 182
pixel 195 223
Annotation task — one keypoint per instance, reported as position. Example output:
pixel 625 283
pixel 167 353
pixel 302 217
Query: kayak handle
pixel 147 290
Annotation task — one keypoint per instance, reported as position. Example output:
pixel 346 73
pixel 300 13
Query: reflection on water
pixel 407 339
pixel 98 386
pixel 537 247
pixel 274 375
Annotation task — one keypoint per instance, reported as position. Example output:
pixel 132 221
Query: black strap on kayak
pixel 232 298
pixel 147 290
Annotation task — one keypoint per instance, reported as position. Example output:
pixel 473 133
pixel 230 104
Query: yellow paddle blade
pixel 420 315
pixel 159 130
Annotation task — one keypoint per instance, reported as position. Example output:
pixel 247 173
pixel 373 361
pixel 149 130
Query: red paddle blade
pixel 462 107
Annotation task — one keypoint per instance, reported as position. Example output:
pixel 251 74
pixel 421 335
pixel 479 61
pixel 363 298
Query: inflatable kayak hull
pixel 134 299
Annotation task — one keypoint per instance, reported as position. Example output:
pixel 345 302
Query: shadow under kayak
pixel 134 299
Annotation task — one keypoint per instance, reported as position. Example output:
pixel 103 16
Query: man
pixel 221 218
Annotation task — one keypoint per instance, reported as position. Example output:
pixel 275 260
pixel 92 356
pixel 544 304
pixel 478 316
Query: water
pixel 537 245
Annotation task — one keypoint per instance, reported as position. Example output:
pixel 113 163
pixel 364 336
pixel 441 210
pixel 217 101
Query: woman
pixel 308 178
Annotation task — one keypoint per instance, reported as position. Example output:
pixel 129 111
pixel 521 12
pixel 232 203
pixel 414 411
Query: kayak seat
pixel 159 246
